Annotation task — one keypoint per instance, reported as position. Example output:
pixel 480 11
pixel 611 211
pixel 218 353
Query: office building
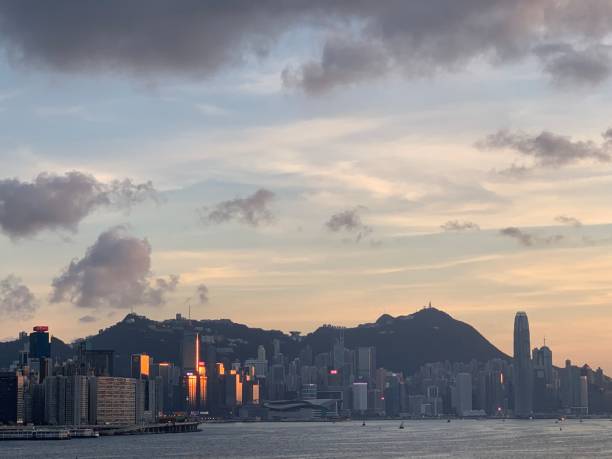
pixel 463 392
pixel 40 345
pixel 190 352
pixel 523 372
pixel 366 363
pixel 360 397
pixel 141 366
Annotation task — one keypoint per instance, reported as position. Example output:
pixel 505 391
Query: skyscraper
pixel 463 391
pixel 190 352
pixel 523 373
pixel 40 346
pixel 366 363
pixel 141 366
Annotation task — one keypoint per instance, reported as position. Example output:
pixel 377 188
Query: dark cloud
pixel 87 319
pixel 528 239
pixel 456 225
pixel 548 149
pixel 52 202
pixel 566 220
pixel 114 273
pixel 202 292
pixel 16 299
pixel 343 62
pixel 195 38
pixel 568 66
pixel 252 210
pixel 349 221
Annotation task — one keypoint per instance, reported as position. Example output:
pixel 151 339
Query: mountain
pixel 403 343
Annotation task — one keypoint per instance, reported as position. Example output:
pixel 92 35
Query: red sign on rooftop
pixel 41 328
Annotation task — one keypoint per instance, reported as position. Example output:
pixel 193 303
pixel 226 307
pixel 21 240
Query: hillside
pixel 403 343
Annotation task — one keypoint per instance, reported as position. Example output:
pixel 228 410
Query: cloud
pixel 571 221
pixel 87 319
pixel 252 210
pixel 54 202
pixel 197 38
pixel 548 150
pixel 528 239
pixel 343 62
pixel 568 66
pixel 349 221
pixel 16 300
pixel 202 292
pixel 114 273
pixel 456 225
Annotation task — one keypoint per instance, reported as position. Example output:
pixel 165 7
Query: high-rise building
pixel 11 398
pixel 366 363
pixel 584 395
pixel 40 346
pixel 95 362
pixel 463 391
pixel 112 400
pixel 543 358
pixel 360 397
pixel 145 399
pixel 141 366
pixel 190 352
pixel 168 386
pixel 261 352
pixel 523 372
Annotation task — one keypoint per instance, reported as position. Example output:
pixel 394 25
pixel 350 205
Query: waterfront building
pixel 11 398
pixel 360 397
pixel 308 391
pixel 463 393
pixel 112 400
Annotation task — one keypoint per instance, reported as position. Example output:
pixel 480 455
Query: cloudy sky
pixel 287 164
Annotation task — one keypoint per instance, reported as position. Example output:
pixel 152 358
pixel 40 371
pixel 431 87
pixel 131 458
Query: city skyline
pixel 516 335
pixel 221 370
pixel 285 166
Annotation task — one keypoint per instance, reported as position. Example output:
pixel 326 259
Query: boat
pixel 401 425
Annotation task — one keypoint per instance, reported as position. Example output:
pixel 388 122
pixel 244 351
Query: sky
pixel 290 164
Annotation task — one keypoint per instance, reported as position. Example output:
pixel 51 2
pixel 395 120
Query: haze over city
pixel 320 162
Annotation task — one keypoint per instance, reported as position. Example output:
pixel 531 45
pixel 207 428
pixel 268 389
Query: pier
pixel 67 433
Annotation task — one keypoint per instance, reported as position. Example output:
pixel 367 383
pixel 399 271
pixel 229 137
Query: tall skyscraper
pixel 366 363
pixel 463 391
pixel 40 346
pixel 141 366
pixel 523 373
pixel 190 352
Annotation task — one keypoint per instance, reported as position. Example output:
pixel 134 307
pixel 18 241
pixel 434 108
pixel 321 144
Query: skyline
pixel 558 360
pixel 286 166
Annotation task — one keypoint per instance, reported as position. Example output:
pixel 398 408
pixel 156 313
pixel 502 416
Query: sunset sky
pixel 289 164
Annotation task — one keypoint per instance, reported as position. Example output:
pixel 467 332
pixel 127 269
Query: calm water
pixel 489 438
